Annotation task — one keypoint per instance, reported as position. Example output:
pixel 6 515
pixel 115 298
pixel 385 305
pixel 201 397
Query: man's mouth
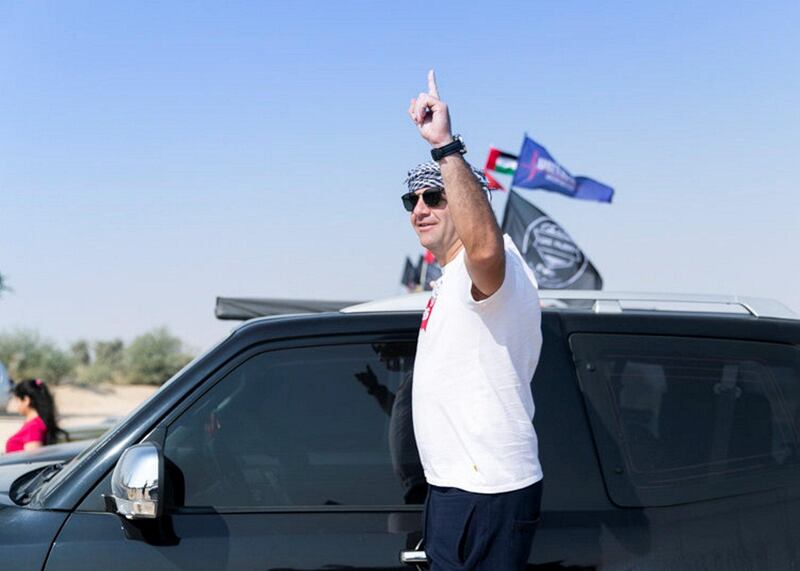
pixel 425 226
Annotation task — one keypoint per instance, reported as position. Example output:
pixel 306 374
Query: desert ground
pixel 81 406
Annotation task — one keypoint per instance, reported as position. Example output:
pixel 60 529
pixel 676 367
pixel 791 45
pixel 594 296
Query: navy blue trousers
pixel 465 531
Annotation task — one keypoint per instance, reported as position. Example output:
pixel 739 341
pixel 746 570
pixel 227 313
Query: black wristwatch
pixel 455 146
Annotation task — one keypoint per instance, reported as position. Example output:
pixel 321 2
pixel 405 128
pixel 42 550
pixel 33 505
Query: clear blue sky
pixel 156 155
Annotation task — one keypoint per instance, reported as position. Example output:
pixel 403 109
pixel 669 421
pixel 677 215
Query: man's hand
pixel 431 116
pixel 368 378
pixel 383 395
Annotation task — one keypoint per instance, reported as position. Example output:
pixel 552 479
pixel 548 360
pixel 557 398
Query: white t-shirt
pixel 471 396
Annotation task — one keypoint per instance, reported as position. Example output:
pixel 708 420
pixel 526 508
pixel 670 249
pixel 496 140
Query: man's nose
pixel 421 209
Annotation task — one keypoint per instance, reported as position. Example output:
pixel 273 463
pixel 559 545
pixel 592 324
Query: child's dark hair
pixel 42 402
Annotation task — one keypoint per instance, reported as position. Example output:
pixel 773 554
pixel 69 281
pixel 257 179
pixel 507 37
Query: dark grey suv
pixel 669 435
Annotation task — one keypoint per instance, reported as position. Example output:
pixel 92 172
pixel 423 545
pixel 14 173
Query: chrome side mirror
pixel 135 483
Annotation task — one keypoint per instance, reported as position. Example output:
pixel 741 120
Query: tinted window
pixel 314 426
pixel 680 419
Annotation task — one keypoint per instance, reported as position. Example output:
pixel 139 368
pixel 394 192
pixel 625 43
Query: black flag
pixel 556 260
pixel 410 277
pixel 429 271
pixel 419 277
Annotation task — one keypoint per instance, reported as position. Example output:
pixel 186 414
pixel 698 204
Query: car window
pixel 680 419
pixel 315 426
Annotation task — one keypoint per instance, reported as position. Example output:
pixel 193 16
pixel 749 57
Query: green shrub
pixel 27 355
pixel 154 357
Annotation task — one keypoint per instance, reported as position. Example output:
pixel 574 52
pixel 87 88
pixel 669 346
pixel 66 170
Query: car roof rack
pixel 607 302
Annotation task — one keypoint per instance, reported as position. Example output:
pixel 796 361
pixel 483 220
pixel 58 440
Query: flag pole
pixel 508 202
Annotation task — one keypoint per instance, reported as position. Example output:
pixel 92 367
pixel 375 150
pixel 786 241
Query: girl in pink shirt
pixel 32 399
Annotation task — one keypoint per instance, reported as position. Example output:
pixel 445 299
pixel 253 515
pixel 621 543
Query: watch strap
pixel 455 146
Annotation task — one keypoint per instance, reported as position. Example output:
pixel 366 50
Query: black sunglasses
pixel 432 198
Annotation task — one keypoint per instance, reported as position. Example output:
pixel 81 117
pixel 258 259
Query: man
pixel 478 347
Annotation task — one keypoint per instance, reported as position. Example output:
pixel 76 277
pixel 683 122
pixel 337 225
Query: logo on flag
pixel 555 258
pixel 561 263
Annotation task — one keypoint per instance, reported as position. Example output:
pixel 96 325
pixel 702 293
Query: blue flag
pixel 536 168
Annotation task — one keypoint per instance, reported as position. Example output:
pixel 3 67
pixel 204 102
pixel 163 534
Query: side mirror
pixel 136 482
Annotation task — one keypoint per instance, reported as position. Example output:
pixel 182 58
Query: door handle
pixel 413 557
pixel 416 556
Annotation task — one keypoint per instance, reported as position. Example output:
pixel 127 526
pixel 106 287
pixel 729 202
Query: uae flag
pixel 551 253
pixel 500 162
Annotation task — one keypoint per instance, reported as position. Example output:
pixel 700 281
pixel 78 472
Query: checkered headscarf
pixel 429 175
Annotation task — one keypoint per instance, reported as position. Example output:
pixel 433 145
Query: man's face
pixel 433 224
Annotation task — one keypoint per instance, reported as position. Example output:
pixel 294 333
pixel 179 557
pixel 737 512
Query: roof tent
pixel 241 308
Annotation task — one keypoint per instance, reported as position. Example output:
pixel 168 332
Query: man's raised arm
pixel 472 214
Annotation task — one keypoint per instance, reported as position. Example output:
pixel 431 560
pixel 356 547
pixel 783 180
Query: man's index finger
pixel 432 89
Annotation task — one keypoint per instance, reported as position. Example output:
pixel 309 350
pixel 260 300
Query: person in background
pixel 32 399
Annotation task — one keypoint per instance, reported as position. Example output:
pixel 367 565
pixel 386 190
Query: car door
pixel 301 457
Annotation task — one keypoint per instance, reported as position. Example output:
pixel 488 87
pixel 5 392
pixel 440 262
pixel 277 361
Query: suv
pixel 669 434
pixel 5 388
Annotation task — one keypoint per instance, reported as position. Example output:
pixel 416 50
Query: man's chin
pixel 426 241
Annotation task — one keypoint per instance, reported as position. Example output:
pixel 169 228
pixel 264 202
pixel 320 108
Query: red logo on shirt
pixel 426 315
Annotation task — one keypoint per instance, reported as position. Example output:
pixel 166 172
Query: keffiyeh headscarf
pixel 429 175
